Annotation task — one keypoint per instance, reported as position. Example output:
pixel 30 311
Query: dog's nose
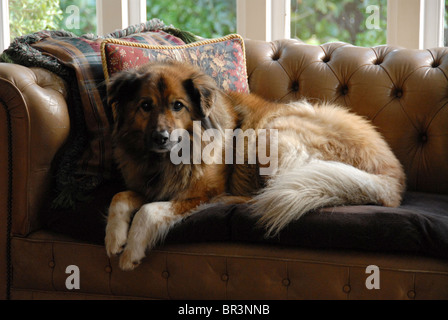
pixel 160 137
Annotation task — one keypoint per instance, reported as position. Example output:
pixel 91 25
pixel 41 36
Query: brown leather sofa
pixel 404 92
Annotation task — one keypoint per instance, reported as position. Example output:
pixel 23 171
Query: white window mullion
pixel 403 23
pixel 254 19
pixel 281 19
pixel 433 23
pixel 265 20
pixel 415 24
pixel 241 18
pixel 136 11
pixel 111 15
pixel 4 25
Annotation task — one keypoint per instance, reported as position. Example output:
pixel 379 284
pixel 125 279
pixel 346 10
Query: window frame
pixel 4 25
pixel 401 17
pixel 119 14
pixel 263 19
pixel 111 15
pixel 269 20
pixel 402 29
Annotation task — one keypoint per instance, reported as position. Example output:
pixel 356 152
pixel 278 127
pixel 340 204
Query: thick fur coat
pixel 324 156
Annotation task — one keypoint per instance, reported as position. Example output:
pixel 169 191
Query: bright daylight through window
pixel 359 22
pixel 207 18
pixel 28 16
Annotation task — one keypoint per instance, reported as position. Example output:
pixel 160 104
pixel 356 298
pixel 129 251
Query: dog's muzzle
pixel 160 141
pixel 160 138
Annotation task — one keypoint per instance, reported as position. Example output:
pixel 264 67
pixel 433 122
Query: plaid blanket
pixel 86 160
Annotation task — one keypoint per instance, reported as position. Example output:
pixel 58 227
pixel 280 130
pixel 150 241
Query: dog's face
pixel 155 99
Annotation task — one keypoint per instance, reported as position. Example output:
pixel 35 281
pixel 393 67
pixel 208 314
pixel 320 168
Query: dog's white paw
pixel 130 258
pixel 116 237
pixel 149 226
pixel 120 211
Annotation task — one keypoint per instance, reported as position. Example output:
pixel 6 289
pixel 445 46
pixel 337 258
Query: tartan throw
pixel 85 162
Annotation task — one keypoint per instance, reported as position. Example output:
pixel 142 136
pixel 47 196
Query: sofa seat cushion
pixel 419 225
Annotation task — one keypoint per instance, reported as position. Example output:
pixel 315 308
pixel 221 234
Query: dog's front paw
pixel 115 240
pixel 122 206
pixel 149 226
pixel 130 259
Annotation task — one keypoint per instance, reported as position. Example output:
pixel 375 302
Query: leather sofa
pixel 405 94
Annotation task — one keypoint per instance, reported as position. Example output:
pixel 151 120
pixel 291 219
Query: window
pixel 27 16
pixel 407 23
pixel 415 24
pixel 205 18
pixel 359 22
pixel 445 25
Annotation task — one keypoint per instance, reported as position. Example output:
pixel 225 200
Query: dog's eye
pixel 146 106
pixel 178 106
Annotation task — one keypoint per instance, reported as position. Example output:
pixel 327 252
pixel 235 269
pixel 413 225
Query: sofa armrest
pixel 34 124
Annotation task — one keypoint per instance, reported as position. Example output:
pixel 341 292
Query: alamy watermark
pixel 73 20
pixel 73 280
pixel 373 20
pixel 373 281
pixel 256 146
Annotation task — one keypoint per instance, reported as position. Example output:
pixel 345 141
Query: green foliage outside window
pixel 205 18
pixel 320 21
pixel 28 16
pixel 313 21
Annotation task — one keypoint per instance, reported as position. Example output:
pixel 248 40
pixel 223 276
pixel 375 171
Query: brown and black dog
pixel 171 131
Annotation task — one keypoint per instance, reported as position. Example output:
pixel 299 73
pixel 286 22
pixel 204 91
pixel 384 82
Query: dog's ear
pixel 202 91
pixel 121 88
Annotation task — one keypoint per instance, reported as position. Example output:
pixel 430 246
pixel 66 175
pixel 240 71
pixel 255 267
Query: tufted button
pixel 435 64
pixel 326 59
pixel 398 93
pixel 423 138
pixel 295 86
pixel 276 56
pixel 378 61
pixel 224 277
pixel 344 90
pixel 108 269
pixel 286 282
pixel 346 288
pixel 411 294
pixel 51 264
pixel 165 274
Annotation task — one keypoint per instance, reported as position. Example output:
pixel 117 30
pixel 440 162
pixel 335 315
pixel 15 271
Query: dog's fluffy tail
pixel 319 184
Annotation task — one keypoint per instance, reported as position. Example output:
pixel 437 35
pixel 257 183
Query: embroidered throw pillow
pixel 222 58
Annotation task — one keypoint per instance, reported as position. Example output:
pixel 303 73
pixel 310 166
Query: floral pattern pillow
pixel 222 58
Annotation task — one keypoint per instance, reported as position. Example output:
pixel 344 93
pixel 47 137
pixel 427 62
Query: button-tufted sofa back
pixel 403 92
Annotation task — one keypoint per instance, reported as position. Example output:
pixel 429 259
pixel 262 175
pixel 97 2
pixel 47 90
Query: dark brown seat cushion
pixel 419 225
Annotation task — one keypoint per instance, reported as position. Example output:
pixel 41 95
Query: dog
pixel 325 156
